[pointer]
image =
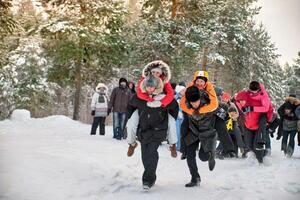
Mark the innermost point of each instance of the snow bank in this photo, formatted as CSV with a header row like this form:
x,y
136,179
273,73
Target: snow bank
x,y
60,155
20,115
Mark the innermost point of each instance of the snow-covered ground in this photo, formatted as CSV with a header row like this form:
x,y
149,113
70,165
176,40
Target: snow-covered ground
x,y
55,158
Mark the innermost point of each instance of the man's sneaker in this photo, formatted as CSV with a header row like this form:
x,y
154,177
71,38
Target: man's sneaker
x,y
131,149
173,150
193,183
146,187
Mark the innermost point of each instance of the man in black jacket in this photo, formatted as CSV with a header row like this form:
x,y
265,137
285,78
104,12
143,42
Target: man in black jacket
x,y
199,129
152,128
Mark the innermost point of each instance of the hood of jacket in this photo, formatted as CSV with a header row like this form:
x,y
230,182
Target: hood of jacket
x,y
166,72
293,101
101,85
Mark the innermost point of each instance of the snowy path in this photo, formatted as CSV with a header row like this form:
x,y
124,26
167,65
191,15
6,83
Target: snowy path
x,y
55,158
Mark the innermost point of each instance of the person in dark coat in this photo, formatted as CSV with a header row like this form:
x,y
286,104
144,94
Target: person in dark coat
x,y
152,128
118,105
289,124
198,128
131,87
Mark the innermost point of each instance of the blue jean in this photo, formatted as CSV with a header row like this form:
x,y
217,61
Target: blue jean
x,y
118,124
268,140
284,143
178,125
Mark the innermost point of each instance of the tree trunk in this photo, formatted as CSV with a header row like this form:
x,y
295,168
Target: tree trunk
x,y
174,8
204,58
78,82
133,9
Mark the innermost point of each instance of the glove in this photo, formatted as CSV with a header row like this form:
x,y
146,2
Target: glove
x,y
154,104
108,111
271,134
93,112
204,98
247,109
278,137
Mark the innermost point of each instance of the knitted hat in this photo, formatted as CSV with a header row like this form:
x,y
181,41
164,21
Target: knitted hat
x,y
254,86
192,94
151,81
226,97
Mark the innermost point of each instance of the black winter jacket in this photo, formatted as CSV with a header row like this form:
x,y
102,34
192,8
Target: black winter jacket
x,y
198,128
153,122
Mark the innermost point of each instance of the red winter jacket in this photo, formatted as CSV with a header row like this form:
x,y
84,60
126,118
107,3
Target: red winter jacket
x,y
261,104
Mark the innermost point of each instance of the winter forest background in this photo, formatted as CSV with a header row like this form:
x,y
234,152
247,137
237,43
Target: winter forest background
x,y
54,52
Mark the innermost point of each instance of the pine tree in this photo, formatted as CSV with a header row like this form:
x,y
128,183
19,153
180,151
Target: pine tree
x,y
293,77
83,40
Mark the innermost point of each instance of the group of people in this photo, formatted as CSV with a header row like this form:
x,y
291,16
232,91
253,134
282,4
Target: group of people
x,y
193,118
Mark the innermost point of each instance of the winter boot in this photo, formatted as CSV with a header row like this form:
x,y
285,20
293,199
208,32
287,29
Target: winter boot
x,y
289,151
183,156
211,162
173,150
193,183
131,149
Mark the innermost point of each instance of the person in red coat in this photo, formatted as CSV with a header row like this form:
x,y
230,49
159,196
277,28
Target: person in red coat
x,y
257,107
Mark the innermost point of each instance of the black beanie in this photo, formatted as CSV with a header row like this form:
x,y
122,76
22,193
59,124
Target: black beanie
x,y
254,86
192,94
122,80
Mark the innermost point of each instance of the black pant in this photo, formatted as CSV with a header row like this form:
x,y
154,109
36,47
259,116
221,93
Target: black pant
x,y
98,121
220,126
224,137
207,149
255,139
150,160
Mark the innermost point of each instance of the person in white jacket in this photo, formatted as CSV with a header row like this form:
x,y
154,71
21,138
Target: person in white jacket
x,y
99,107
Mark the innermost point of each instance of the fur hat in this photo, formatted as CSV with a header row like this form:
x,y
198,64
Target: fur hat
x,y
254,86
101,85
192,94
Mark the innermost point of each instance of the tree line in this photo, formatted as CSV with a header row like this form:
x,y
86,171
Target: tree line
x,y
50,61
